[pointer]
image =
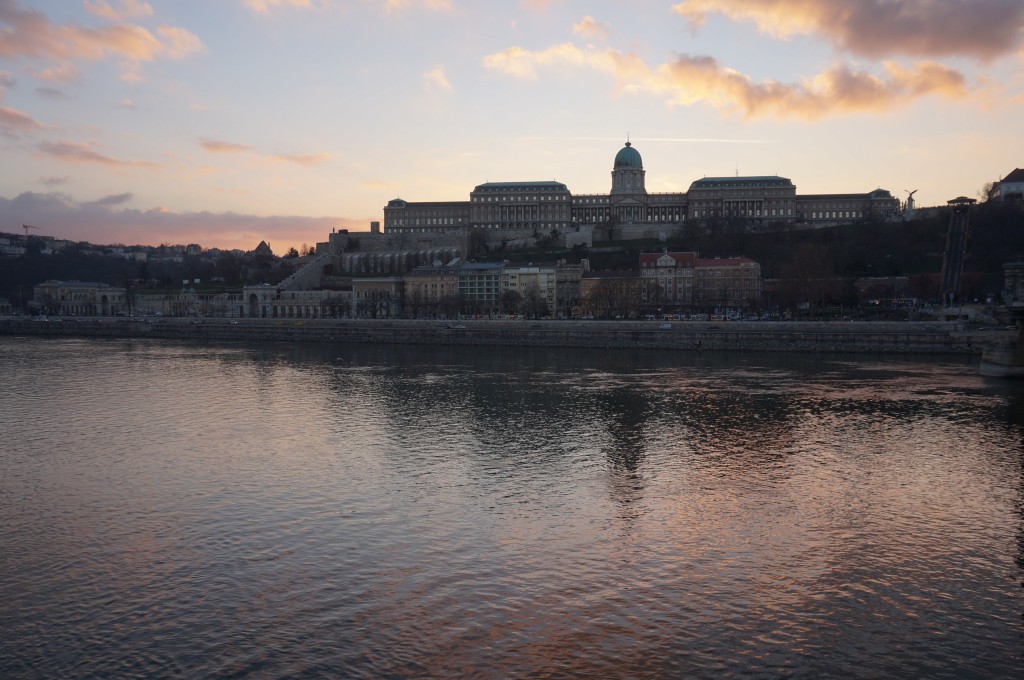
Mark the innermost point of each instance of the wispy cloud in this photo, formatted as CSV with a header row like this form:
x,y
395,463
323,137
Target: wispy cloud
x,y
983,29
218,146
435,80
72,152
591,28
51,93
54,181
61,73
127,9
305,159
13,121
692,80
264,6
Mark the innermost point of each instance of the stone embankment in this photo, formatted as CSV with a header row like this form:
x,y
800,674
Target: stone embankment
x,y
840,336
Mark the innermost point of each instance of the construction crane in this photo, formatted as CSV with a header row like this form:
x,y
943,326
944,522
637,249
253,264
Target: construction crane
x,y
26,227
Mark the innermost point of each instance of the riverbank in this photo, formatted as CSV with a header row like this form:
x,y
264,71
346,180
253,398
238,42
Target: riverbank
x,y
761,336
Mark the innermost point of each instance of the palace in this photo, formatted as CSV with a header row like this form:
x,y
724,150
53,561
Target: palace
x,y
756,203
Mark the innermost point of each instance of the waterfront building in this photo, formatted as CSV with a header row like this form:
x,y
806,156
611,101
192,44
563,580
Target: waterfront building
x,y
532,287
681,281
480,287
667,281
259,299
610,295
726,284
431,290
80,298
377,298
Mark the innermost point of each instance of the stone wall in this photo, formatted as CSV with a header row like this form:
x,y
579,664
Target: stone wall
x,y
875,338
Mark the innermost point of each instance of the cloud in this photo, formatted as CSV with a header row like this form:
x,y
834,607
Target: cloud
x,y
27,33
61,73
306,159
105,221
264,6
54,181
126,103
218,146
178,42
590,28
982,29
692,80
80,153
13,121
436,80
50,93
115,199
128,9
6,79
392,6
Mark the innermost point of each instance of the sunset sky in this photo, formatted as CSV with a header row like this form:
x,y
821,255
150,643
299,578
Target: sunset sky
x,y
227,122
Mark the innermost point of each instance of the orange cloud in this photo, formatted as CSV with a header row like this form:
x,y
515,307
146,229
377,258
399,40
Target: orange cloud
x,y
692,80
30,34
591,28
983,29
129,9
264,6
306,159
217,146
436,80
80,153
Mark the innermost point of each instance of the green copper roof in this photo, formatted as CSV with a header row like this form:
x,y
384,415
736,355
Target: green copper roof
x,y
628,157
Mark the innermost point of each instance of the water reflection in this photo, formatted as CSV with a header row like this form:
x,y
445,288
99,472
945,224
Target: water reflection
x,y
281,511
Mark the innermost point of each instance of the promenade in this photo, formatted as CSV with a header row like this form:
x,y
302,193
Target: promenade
x,y
761,336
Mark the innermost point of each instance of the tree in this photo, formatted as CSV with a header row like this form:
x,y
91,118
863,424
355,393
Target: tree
x,y
510,301
292,252
534,304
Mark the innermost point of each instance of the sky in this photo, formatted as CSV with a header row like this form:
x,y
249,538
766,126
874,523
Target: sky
x,y
228,122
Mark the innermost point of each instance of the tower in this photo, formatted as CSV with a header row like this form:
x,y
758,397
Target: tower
x,y
628,172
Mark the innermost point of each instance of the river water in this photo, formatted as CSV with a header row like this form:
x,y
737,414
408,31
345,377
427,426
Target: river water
x,y
266,511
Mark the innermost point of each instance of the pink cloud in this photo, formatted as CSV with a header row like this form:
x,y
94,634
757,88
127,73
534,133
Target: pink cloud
x,y
218,146
80,153
13,121
27,33
983,29
306,159
106,221
127,9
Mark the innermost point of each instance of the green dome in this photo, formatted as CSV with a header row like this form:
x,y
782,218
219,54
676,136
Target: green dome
x,y
628,157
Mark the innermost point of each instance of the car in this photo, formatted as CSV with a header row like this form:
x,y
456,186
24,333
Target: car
x,y
665,327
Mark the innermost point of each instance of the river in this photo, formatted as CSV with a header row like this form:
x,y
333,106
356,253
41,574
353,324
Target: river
x,y
271,511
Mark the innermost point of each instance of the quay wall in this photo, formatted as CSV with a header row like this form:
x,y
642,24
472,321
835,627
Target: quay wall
x,y
857,337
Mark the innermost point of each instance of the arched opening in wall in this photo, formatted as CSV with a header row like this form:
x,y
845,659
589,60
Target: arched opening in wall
x,y
254,306
104,306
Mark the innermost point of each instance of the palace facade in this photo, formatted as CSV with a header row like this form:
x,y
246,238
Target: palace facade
x,y
757,202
